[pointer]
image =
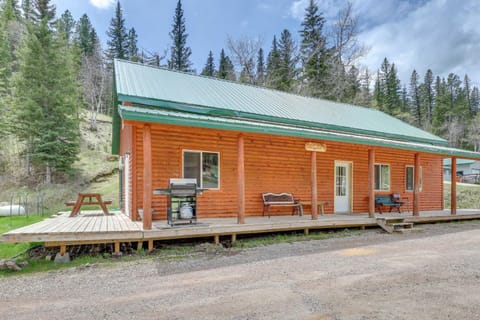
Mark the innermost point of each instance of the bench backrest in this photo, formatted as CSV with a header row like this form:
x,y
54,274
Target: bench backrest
x,y
278,198
384,199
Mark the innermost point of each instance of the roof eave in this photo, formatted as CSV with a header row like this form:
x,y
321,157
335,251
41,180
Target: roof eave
x,y
203,110
146,115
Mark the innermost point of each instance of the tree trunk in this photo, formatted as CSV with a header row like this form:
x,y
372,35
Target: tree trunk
x,y
48,174
28,169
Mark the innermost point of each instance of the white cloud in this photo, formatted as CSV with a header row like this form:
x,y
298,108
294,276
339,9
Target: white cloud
x,y
102,4
328,8
440,34
297,9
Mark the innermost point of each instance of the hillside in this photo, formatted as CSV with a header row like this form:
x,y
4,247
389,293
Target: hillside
x,y
95,171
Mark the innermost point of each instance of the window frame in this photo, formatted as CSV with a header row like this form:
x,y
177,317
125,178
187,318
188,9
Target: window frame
x,y
380,182
201,152
413,172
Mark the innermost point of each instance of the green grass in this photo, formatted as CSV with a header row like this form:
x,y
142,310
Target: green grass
x,y
468,195
42,265
9,250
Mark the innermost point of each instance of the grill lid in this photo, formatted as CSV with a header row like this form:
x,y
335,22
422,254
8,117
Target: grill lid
x,y
174,182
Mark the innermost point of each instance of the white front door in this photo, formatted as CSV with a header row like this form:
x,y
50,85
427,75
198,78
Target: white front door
x,y
343,176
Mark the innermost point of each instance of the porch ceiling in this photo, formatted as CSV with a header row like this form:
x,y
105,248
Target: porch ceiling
x,y
231,123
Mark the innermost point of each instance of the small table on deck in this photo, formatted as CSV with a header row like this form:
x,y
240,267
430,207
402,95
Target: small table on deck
x,y
77,205
321,205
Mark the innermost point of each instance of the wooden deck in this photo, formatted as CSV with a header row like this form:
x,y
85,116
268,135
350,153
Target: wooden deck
x,y
94,227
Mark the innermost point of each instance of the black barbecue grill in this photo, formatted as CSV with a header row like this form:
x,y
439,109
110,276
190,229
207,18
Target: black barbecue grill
x,y
182,200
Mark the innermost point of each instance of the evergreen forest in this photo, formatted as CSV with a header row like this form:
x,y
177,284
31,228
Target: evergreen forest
x,y
53,67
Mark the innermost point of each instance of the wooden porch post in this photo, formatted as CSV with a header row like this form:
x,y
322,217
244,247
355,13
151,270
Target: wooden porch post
x,y
147,178
416,186
371,183
314,185
241,180
453,190
133,173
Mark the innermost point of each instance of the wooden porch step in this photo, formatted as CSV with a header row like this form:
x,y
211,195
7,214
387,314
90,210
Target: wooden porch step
x,y
395,224
402,225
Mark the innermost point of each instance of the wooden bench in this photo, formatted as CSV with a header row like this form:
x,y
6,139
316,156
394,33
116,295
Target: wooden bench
x,y
281,200
389,200
82,201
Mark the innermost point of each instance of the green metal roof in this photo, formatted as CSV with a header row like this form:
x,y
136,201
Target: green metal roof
x,y
205,121
162,88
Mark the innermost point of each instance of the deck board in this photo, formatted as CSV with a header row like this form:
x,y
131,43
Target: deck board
x,y
91,226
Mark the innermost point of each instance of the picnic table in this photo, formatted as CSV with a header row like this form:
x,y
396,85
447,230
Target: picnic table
x,y
88,199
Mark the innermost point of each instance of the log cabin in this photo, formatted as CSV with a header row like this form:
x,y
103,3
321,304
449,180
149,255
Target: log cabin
x,y
240,141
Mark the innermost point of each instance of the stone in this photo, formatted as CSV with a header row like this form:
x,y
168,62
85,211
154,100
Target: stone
x,y
62,259
23,264
117,255
12,265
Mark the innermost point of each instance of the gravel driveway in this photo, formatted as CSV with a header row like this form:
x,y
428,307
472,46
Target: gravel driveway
x,y
434,274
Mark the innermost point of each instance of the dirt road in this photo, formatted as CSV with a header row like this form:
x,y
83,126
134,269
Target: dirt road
x,y
432,275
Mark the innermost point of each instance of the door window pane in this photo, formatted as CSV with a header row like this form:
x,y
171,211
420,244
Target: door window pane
x,y
341,181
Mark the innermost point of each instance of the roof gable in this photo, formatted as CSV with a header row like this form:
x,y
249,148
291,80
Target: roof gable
x,y
164,88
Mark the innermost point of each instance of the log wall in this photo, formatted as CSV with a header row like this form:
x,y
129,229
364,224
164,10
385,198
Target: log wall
x,y
274,164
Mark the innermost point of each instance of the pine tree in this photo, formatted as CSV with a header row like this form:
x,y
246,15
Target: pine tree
x,y
467,94
132,48
428,97
10,11
66,25
118,37
273,78
415,98
4,79
225,67
27,9
288,60
378,100
475,100
179,51
260,76
209,69
393,91
85,35
405,103
314,53
11,32
46,96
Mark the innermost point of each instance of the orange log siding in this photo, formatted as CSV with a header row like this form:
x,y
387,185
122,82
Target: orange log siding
x,y
273,164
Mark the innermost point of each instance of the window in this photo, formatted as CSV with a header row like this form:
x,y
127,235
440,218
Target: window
x,y
410,178
382,177
203,166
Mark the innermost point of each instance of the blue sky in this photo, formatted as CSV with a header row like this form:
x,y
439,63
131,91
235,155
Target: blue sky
x,y
443,35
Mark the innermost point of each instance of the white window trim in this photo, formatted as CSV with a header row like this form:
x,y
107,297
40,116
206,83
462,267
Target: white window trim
x,y
389,176
421,178
201,166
